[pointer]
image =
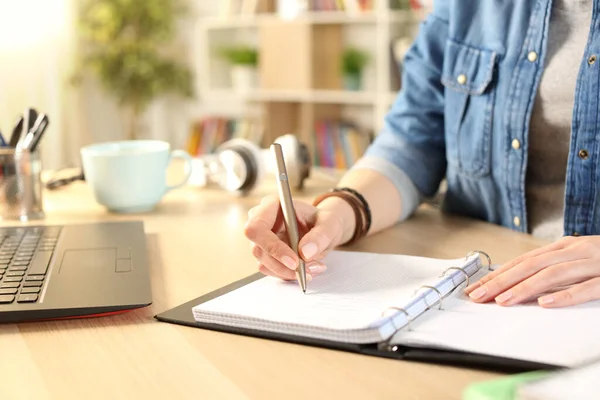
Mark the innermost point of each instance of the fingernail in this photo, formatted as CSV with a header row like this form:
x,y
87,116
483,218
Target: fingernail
x,y
317,269
477,293
309,250
546,300
504,296
308,277
288,262
469,288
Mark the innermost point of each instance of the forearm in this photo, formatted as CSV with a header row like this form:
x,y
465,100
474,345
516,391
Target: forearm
x,y
380,193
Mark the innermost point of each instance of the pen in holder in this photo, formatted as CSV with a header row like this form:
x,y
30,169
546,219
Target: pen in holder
x,y
20,185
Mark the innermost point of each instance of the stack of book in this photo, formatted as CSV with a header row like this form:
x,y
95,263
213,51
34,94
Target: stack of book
x,y
210,132
338,144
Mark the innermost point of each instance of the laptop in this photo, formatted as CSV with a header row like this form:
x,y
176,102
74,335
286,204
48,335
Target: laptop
x,y
72,270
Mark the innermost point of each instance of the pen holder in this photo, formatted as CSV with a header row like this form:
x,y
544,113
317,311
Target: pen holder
x,y
20,185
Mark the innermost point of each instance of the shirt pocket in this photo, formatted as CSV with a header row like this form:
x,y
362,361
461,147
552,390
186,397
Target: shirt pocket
x,y
469,104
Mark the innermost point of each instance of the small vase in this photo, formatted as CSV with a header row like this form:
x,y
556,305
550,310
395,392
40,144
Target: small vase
x,y
243,78
352,82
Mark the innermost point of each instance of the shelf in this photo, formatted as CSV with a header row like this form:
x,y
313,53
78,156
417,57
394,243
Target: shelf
x,y
318,17
299,96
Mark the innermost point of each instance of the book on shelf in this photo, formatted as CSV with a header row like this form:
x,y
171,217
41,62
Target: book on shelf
x,y
295,7
210,132
406,4
342,5
338,144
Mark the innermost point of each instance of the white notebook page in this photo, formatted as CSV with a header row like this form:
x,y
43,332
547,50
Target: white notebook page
x,y
561,336
578,383
351,294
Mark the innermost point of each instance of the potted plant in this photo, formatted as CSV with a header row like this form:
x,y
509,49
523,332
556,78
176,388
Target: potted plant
x,y
244,63
126,44
353,63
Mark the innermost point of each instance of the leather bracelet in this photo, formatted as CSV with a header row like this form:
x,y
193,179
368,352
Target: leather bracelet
x,y
366,208
359,227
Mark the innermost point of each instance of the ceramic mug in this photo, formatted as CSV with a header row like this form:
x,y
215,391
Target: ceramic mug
x,y
131,176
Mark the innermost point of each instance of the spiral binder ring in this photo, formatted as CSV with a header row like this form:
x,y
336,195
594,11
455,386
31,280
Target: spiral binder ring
x,y
437,291
408,317
461,270
489,259
386,344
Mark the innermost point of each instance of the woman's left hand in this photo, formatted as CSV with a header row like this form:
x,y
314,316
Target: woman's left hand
x,y
564,273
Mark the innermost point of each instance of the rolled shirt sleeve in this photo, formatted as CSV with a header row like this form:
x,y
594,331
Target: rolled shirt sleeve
x,y
410,149
409,194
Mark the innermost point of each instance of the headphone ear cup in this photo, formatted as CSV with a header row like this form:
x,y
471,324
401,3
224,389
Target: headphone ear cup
x,y
251,169
244,165
297,159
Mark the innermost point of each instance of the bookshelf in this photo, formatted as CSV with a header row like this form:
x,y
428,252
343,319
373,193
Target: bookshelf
x,y
300,88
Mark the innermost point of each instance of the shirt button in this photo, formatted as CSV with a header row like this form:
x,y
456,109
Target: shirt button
x,y
461,79
592,59
517,221
532,56
516,144
583,154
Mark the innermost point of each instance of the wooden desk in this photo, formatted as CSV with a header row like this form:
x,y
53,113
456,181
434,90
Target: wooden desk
x,y
196,245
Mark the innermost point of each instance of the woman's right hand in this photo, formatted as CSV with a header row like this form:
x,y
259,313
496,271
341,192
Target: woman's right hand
x,y
319,230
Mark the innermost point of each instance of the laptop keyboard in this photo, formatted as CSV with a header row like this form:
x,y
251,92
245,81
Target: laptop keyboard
x,y
25,254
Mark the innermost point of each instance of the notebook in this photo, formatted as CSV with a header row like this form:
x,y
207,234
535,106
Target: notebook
x,y
403,307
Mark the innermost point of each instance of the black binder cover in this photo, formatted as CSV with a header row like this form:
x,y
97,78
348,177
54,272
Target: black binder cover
x,y
182,315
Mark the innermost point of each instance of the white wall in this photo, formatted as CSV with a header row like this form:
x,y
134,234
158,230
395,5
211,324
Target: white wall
x,y
36,60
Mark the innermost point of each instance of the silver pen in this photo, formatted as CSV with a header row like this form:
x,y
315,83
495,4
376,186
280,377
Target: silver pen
x,y
289,214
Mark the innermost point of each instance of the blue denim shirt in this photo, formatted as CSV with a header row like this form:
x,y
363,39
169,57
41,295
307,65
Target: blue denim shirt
x,y
468,86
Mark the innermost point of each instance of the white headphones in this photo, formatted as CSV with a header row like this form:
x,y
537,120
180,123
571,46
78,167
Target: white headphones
x,y
239,165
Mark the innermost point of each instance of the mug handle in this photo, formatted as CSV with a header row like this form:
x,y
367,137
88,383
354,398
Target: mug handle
x,y
188,167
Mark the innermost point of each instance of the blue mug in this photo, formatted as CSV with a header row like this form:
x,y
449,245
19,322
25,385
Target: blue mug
x,y
131,176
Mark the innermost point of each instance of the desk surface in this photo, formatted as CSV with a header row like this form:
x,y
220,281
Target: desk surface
x,y
196,244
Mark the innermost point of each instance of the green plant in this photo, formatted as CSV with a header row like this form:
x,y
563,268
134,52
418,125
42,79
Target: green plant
x,y
240,55
353,61
126,44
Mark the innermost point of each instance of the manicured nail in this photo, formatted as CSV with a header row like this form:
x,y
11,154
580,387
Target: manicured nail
x,y
309,250
546,300
288,262
308,277
477,293
504,296
317,269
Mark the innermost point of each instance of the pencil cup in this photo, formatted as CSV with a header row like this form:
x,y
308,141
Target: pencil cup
x,y
20,185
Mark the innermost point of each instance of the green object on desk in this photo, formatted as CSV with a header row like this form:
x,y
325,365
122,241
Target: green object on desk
x,y
503,388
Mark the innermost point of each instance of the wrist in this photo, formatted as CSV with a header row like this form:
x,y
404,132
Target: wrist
x,y
341,209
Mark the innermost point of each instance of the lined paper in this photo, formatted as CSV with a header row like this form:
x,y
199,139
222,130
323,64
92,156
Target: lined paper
x,y
345,303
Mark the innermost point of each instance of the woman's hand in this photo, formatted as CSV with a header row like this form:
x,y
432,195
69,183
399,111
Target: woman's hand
x,y
564,273
319,231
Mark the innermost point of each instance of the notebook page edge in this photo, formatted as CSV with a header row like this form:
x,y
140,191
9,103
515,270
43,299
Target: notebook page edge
x,y
381,328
